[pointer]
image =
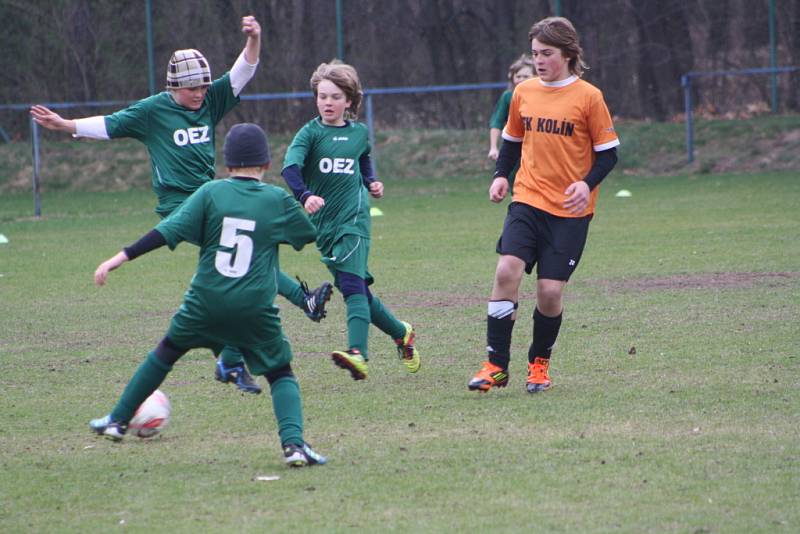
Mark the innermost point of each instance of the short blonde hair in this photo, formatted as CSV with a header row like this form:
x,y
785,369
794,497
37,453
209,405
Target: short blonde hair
x,y
525,60
345,77
559,32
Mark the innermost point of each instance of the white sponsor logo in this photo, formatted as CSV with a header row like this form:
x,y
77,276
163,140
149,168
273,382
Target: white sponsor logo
x,y
339,138
337,165
193,136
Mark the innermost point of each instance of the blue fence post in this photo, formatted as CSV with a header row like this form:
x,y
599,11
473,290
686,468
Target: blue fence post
x,y
686,82
37,202
371,128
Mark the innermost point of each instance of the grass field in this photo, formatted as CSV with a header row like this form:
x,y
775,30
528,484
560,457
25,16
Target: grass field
x,y
676,406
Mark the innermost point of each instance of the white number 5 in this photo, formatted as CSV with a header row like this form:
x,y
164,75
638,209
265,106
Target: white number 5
x,y
242,243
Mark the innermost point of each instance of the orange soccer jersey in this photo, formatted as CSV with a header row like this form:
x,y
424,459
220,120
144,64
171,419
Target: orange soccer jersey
x,y
561,125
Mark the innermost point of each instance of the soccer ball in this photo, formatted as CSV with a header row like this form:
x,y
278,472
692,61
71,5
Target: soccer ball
x,y
152,416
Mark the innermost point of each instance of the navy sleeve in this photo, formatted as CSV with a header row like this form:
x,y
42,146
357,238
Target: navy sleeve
x,y
294,179
367,172
508,158
603,163
150,241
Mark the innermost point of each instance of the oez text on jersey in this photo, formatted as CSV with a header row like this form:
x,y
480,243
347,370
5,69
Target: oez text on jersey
x,y
337,165
191,136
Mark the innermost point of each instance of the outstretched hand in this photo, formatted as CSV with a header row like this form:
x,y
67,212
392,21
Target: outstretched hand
x,y
51,120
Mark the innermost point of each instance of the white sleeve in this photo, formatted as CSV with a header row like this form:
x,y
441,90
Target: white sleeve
x,y
91,127
241,73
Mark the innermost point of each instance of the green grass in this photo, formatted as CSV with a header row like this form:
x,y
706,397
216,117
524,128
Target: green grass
x,y
696,430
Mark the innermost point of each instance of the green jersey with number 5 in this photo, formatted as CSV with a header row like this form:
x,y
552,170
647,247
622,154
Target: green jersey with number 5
x,y
180,141
238,224
328,157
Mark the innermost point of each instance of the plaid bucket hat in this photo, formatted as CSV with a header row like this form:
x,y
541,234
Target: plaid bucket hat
x,y
188,68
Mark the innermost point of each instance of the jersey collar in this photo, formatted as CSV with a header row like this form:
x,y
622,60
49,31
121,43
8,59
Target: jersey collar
x,y
561,83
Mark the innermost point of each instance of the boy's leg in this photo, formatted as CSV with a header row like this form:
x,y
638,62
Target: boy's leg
x,y
354,291
273,361
501,314
565,238
145,381
311,302
287,405
401,332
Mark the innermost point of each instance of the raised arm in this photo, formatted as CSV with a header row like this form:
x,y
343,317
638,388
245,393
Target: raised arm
x,y
252,48
91,127
244,68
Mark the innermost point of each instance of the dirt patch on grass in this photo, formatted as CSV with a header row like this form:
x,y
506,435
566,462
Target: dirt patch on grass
x,y
702,281
479,296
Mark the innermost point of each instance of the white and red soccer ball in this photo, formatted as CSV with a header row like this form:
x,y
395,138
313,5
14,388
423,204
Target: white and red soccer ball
x,y
152,416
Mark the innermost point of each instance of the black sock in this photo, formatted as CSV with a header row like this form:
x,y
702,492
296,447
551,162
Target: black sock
x,y
498,340
545,332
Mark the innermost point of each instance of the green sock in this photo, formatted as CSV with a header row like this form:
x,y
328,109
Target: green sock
x,y
231,357
145,381
291,290
385,320
358,323
288,409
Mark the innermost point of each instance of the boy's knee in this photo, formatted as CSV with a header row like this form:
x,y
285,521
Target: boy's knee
x,y
167,352
283,372
350,284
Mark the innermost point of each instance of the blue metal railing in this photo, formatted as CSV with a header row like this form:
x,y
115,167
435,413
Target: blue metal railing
x,y
368,104
686,83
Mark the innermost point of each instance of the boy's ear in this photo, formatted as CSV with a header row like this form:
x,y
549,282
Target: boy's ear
x,y
266,166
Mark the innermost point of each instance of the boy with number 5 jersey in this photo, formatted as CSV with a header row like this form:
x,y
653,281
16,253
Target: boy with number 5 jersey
x,y
328,168
238,223
177,127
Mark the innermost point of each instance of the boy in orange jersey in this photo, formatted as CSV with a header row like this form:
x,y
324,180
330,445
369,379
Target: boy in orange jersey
x,y
561,128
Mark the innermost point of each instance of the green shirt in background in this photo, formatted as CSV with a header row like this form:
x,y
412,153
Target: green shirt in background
x,y
328,157
500,115
238,224
180,141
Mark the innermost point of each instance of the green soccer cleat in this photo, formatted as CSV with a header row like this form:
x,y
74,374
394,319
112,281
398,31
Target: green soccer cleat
x,y
351,360
407,351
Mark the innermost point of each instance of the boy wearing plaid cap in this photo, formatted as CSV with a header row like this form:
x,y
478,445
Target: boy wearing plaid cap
x,y
177,127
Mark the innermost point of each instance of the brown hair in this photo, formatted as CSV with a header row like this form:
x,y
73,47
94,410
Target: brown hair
x,y
559,32
345,77
525,60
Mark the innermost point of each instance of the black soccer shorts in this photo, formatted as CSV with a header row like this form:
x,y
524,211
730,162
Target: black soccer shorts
x,y
554,244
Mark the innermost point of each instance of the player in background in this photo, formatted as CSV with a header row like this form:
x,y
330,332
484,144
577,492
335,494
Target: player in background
x,y
238,223
562,129
329,170
178,128
518,72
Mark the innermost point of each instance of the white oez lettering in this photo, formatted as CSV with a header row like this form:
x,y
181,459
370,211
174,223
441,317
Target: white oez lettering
x,y
337,165
198,134
243,245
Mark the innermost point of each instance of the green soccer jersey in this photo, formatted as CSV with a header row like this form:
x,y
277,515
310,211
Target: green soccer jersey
x,y
238,224
180,141
328,157
500,116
